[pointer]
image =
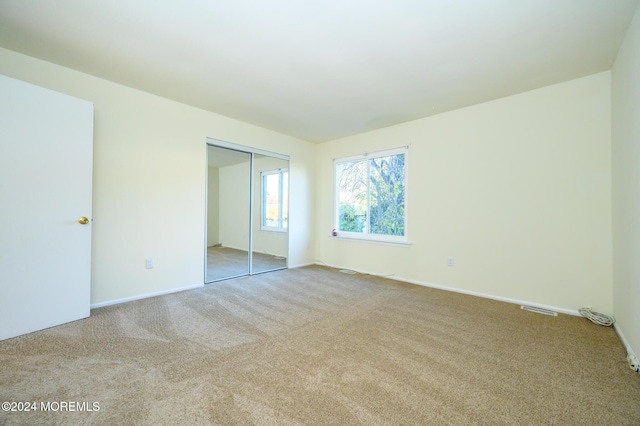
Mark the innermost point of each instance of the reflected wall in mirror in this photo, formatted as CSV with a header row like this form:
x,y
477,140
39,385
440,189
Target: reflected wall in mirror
x,y
228,213
247,211
270,214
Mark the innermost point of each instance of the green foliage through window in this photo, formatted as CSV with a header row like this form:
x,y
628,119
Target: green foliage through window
x,y
371,194
275,199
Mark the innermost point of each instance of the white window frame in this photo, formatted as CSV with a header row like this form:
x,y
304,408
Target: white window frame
x,y
263,226
366,236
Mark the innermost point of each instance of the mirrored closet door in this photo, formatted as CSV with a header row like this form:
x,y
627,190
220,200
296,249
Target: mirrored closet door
x,y
247,211
270,214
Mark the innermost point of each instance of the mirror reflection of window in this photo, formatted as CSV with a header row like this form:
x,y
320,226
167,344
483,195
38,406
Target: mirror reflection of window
x,y
228,214
275,200
271,213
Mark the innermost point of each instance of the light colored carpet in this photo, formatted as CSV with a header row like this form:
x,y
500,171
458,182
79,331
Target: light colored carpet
x,y
314,346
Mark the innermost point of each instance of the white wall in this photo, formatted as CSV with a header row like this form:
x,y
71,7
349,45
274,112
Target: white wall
x,y
234,205
517,190
213,201
626,186
149,180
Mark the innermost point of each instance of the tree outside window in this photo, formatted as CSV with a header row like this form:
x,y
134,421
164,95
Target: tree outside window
x,y
371,195
275,200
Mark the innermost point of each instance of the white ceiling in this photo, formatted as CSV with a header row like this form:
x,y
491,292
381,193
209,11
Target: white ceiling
x,y
321,70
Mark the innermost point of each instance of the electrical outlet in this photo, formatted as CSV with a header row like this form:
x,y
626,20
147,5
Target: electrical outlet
x,y
149,263
633,363
450,261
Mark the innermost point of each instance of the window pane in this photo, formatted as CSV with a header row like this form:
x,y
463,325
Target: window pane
x,y
271,200
386,198
352,196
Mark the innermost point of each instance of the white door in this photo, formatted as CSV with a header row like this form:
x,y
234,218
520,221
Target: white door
x,y
46,156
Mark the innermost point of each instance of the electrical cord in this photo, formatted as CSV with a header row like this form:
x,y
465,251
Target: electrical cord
x,y
596,317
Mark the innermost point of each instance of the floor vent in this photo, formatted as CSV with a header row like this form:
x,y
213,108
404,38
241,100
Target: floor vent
x,y
539,310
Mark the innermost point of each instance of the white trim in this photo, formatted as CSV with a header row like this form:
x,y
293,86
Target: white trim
x,y
303,265
624,341
243,148
366,235
251,207
272,229
144,296
558,309
281,180
467,292
376,154
206,211
234,247
352,236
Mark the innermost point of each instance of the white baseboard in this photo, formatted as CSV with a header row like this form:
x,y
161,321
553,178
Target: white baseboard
x,y
302,265
254,250
624,341
467,292
234,248
493,297
144,296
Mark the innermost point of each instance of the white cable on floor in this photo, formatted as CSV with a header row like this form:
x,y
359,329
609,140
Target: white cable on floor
x,y
597,317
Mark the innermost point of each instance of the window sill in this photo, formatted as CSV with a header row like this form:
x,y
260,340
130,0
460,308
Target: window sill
x,y
371,240
276,230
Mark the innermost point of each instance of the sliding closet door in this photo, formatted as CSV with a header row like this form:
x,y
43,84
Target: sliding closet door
x,y
228,213
247,211
270,230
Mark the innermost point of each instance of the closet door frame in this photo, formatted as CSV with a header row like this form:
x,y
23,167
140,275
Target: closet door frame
x,y
252,151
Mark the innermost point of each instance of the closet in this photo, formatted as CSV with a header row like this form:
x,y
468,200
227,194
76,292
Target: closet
x,y
247,220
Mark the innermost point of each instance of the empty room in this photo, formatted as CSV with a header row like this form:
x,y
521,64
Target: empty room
x,y
339,212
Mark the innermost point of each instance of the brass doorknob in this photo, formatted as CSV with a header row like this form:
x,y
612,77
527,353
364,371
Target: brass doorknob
x,y
83,220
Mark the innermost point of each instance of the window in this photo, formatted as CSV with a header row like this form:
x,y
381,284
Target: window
x,y
275,200
371,196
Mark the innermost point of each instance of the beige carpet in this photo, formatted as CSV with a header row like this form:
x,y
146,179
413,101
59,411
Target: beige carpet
x,y
316,346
